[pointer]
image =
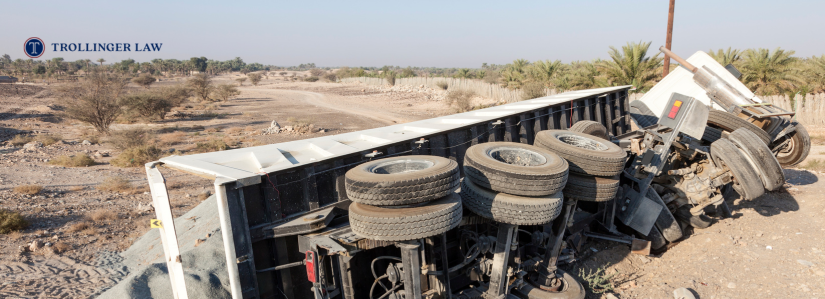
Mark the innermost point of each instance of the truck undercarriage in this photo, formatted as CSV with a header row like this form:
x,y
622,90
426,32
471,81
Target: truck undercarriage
x,y
483,204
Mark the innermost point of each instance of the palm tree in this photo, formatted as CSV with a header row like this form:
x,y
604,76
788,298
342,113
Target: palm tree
x,y
101,61
545,71
770,73
632,66
816,73
463,73
585,75
731,56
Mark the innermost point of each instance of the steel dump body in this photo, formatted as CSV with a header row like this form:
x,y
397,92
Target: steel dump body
x,y
272,194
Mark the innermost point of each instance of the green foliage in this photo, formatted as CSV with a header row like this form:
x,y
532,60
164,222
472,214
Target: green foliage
x,y
146,105
407,73
389,76
632,66
597,281
544,72
78,160
226,91
201,85
198,63
311,79
144,80
254,78
815,68
532,90
731,56
346,72
137,156
11,221
770,73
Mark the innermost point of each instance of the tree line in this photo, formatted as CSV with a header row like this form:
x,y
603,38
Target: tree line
x,y
764,71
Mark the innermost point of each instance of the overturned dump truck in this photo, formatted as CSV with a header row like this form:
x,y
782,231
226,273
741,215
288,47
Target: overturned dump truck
x,y
483,204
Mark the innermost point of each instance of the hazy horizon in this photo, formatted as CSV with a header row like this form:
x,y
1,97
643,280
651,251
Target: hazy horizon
x,y
421,34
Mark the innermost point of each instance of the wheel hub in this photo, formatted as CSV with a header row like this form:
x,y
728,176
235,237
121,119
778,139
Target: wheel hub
x,y
582,142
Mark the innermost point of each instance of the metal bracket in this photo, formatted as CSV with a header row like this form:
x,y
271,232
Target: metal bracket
x,y
373,154
168,236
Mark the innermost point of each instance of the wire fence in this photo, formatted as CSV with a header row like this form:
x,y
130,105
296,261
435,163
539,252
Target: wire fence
x,y
481,88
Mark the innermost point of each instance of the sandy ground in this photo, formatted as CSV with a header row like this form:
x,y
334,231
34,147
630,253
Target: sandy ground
x,y
730,259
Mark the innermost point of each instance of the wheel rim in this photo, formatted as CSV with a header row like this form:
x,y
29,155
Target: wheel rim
x,y
582,142
516,156
400,166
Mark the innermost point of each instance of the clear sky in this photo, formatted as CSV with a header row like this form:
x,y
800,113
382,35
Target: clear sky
x,y
416,33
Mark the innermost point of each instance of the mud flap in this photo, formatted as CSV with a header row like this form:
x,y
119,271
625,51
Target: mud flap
x,y
638,212
666,223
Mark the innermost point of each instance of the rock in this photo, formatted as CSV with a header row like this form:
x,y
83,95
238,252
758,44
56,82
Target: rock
x,y
86,142
35,245
805,263
31,146
683,293
144,208
731,285
609,296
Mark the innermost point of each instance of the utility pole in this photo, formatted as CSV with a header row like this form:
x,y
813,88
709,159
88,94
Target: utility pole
x,y
669,40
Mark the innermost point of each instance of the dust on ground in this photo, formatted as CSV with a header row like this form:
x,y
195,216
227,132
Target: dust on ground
x,y
731,259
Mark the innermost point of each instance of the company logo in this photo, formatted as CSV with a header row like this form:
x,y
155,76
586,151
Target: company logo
x,y
34,47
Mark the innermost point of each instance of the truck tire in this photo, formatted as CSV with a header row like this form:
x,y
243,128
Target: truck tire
x,y
746,181
590,127
642,114
797,149
711,134
402,180
729,122
657,240
571,289
407,223
585,154
760,157
510,209
515,168
591,188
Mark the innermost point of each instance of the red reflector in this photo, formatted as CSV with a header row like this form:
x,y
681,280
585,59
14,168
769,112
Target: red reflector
x,y
310,263
675,109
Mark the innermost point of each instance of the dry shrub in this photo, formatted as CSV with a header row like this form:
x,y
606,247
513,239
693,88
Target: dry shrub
x,y
11,221
77,160
116,184
172,138
77,188
249,129
461,100
28,189
211,146
815,165
532,90
234,130
144,80
78,227
204,195
127,138
442,84
15,235
311,79
210,130
20,140
94,100
60,247
91,231
48,139
102,215
137,156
